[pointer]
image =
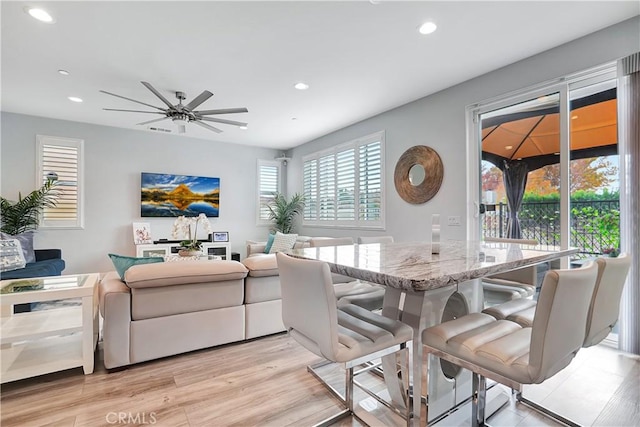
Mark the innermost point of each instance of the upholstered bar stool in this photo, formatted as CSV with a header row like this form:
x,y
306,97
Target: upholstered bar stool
x,y
349,291
512,285
603,311
349,335
509,354
603,314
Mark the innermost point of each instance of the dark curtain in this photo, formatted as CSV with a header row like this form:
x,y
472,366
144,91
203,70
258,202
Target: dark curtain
x,y
515,180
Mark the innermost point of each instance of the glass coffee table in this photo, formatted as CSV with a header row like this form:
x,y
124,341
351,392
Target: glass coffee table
x,y
40,342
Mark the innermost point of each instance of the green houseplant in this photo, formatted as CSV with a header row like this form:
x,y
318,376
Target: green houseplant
x,y
283,212
24,215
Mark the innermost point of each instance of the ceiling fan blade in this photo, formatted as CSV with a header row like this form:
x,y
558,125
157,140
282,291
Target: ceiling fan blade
x,y
228,122
132,100
134,111
206,126
158,94
221,111
198,100
152,121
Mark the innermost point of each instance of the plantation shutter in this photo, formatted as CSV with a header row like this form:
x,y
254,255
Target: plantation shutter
x,y
370,182
343,186
346,182
268,186
62,157
326,188
310,189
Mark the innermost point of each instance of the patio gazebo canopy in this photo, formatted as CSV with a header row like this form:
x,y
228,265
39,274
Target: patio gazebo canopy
x,y
533,137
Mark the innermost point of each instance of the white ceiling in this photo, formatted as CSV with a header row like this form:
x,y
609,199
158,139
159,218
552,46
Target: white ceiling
x,y
359,58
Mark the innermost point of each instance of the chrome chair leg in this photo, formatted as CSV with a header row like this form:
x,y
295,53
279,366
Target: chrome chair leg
x,y
544,411
479,401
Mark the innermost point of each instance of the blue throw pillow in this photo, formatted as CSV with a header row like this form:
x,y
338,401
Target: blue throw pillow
x,y
123,263
269,243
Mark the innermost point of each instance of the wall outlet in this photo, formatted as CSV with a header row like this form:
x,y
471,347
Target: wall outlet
x,y
453,221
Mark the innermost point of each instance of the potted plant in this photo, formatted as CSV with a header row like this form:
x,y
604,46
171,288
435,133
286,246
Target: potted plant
x,y
191,246
24,215
283,212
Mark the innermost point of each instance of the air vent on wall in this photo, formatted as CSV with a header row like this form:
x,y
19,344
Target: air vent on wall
x,y
157,129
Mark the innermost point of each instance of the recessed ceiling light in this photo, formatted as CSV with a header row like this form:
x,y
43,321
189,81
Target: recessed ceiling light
x,y
574,117
39,14
427,28
294,118
244,127
301,86
74,99
64,72
508,147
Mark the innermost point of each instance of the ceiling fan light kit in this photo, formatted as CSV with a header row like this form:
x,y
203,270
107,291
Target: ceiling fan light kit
x,y
180,114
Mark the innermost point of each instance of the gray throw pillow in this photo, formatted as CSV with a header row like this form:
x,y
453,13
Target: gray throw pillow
x,y
26,241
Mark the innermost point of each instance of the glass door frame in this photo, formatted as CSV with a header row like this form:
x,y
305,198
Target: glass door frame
x,y
562,86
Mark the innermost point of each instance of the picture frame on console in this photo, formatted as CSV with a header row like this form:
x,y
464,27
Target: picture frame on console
x,y
220,236
142,233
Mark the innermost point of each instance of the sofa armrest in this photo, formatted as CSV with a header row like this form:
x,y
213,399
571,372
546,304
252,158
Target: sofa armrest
x,y
115,308
43,254
255,247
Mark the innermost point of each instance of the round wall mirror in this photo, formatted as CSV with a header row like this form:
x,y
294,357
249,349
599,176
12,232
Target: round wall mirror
x,y
418,175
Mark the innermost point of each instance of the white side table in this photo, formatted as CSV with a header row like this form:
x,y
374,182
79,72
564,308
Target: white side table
x,y
40,342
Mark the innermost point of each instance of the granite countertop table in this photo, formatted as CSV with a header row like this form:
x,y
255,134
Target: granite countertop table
x,y
410,266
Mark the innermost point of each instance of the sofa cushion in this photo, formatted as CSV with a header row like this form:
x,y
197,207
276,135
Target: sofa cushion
x,y
49,267
283,242
183,272
11,256
261,265
26,242
260,289
123,263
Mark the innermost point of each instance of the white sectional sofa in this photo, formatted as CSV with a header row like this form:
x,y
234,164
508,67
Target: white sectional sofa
x,y
163,309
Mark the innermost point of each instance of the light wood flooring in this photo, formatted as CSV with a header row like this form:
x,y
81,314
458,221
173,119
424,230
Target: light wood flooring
x,y
264,382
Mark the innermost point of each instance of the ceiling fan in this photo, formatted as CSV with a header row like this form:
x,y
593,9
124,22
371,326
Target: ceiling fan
x,y
183,114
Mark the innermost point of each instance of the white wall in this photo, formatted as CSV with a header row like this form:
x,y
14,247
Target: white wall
x,y
114,159
438,121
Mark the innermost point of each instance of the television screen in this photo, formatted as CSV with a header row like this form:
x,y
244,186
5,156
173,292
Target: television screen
x,y
166,195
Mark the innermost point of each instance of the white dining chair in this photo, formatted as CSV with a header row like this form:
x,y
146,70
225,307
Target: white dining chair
x,y
507,353
349,335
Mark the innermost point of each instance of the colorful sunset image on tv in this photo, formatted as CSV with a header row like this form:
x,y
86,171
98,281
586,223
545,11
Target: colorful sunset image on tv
x,y
167,195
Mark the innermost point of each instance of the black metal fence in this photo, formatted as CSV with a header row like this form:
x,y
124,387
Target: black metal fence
x,y
595,224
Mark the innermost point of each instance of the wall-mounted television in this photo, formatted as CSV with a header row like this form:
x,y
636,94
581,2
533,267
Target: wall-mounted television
x,y
167,195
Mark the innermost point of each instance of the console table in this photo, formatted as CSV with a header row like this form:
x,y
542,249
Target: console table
x,y
221,249
40,342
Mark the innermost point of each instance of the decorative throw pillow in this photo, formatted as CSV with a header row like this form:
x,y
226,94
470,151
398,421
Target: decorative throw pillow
x,y
123,263
267,248
11,256
283,242
26,241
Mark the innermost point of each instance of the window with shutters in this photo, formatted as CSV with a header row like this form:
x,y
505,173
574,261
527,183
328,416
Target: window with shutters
x,y
343,186
268,186
62,158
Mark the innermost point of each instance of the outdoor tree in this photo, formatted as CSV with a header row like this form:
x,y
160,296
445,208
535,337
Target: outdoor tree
x,y
586,174
492,180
